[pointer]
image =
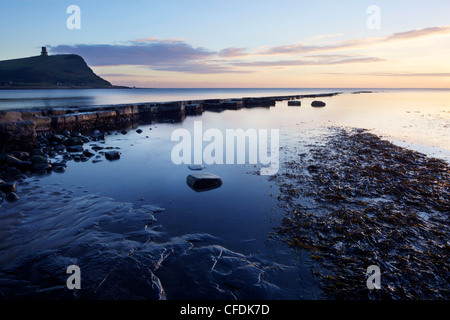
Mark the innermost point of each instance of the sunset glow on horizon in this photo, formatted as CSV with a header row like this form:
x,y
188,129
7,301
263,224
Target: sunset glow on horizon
x,y
243,44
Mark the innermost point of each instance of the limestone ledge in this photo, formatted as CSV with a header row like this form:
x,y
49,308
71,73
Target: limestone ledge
x,y
19,128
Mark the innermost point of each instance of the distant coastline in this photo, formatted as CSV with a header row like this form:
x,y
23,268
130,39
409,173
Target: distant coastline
x,y
62,87
66,71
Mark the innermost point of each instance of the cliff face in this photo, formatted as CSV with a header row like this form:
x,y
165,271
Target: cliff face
x,y
57,71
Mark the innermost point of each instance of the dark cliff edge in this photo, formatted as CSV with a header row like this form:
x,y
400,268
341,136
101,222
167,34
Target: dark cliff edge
x,y
50,72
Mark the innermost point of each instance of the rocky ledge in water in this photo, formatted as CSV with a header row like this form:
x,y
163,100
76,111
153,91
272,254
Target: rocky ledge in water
x,y
19,128
359,201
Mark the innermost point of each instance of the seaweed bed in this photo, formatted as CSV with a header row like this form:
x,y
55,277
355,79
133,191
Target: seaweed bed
x,y
358,200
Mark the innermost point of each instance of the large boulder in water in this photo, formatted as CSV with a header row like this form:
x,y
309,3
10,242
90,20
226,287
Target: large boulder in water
x,y
203,181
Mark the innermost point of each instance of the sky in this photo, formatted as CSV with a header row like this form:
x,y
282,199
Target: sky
x,y
240,43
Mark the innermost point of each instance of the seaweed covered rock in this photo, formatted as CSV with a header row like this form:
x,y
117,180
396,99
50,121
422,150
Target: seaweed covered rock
x,y
362,201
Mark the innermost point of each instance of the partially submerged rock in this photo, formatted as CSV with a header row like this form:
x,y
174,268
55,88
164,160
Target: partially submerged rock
x,y
296,103
88,153
196,167
76,148
112,155
317,103
203,181
8,187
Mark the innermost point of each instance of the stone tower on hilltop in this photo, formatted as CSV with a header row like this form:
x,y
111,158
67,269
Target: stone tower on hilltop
x,y
44,52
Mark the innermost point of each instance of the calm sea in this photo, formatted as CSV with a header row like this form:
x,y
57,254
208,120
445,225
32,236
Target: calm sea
x,y
203,245
13,99
415,118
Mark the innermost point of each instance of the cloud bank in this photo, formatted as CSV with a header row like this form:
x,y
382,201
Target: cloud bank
x,y
176,55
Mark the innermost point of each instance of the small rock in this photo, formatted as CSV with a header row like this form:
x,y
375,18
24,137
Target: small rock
x,y
318,104
294,103
57,138
8,187
65,133
77,148
96,148
196,167
75,134
203,181
62,163
96,161
124,131
98,136
59,169
60,148
88,153
112,155
74,141
41,166
13,161
39,159
16,163
12,196
139,131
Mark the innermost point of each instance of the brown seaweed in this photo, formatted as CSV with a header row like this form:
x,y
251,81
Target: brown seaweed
x,y
358,201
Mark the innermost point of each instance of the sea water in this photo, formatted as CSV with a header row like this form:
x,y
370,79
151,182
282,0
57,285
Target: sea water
x,y
137,230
